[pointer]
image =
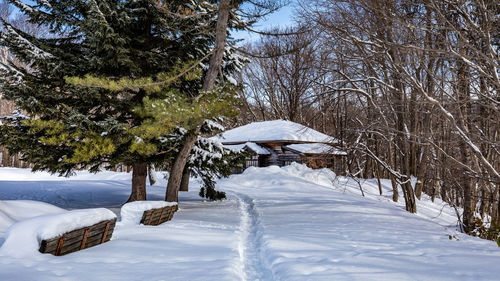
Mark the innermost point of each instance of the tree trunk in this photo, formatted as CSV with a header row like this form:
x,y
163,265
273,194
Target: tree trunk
x,y
463,96
495,202
484,202
377,167
174,180
5,157
220,43
421,167
185,180
469,202
436,186
395,192
408,193
152,174
139,175
172,194
16,161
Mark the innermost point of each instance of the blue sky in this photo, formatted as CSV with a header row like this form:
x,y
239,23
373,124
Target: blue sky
x,y
281,18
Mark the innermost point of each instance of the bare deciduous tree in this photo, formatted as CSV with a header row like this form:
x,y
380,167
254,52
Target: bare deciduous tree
x,y
416,86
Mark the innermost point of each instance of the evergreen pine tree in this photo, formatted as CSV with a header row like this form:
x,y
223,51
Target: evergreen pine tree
x,y
227,18
116,82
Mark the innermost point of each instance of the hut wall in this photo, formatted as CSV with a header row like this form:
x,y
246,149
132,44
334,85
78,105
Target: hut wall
x,y
287,159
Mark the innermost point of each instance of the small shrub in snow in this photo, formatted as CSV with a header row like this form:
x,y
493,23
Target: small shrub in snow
x,y
212,194
490,231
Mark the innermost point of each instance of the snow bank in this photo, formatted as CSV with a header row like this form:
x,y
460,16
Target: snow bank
x,y
23,238
131,213
12,211
293,172
16,174
323,176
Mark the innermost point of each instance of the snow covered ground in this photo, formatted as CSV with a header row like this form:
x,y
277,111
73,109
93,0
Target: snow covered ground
x,y
288,223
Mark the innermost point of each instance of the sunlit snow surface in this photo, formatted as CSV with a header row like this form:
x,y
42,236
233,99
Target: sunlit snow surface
x,y
288,223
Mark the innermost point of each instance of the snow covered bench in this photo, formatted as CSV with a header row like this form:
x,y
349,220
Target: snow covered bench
x,y
159,215
79,239
148,212
59,232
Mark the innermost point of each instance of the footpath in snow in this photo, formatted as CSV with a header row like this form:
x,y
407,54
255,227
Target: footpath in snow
x,y
289,223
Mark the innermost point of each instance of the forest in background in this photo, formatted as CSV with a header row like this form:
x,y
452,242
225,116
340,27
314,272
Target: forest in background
x,y
410,88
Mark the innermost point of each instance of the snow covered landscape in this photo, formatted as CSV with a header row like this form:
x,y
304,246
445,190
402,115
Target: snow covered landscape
x,y
289,223
353,140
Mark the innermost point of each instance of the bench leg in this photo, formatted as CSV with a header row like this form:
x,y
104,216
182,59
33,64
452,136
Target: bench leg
x,y
84,241
59,246
105,233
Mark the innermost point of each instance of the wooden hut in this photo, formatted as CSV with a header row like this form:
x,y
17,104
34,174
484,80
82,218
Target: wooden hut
x,y
281,142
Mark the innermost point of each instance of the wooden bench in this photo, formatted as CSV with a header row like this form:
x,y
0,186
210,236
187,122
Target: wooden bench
x,y
79,239
159,215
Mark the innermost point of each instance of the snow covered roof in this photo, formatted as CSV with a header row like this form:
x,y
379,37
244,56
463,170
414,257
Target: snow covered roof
x,y
316,148
250,145
275,130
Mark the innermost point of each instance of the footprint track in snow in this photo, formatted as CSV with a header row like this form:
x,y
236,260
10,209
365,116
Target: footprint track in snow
x,y
251,247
